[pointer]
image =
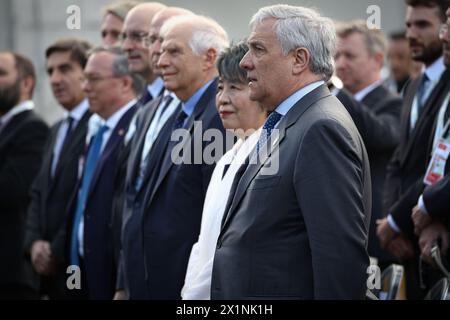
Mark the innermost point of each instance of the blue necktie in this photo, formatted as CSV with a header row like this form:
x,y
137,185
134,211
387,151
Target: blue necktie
x,y
179,121
91,162
270,123
266,131
146,97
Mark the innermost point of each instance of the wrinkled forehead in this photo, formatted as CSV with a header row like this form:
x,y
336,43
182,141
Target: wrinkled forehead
x,y
179,34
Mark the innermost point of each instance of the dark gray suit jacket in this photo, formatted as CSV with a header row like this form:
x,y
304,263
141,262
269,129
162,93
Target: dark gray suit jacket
x,y
300,233
377,118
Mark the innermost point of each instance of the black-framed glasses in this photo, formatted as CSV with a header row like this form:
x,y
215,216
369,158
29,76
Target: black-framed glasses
x,y
444,31
133,36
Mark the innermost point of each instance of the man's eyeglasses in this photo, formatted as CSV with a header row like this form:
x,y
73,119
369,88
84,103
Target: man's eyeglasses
x,y
93,80
444,31
133,36
148,41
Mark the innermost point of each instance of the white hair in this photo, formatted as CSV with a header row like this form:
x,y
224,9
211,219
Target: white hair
x,y
206,34
303,27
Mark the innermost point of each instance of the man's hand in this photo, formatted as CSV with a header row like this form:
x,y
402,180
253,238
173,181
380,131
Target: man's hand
x,y
120,295
401,247
428,238
421,220
384,232
41,257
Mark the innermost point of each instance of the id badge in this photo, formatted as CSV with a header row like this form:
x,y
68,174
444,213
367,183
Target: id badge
x,y
436,168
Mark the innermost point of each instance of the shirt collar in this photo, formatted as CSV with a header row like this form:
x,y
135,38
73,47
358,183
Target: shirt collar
x,y
364,92
21,107
78,112
435,70
287,104
189,105
95,121
156,87
115,118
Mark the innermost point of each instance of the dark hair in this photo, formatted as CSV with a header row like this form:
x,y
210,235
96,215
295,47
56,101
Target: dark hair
x,y
121,67
78,49
228,63
442,6
25,68
398,35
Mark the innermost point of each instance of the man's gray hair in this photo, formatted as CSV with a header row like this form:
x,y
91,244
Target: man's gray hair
x,y
121,67
207,33
297,27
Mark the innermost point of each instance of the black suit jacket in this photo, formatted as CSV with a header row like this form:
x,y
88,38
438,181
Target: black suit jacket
x,y
409,163
300,232
173,202
22,143
50,196
377,118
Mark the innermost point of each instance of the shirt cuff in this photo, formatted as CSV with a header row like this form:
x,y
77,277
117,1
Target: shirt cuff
x,y
392,224
421,205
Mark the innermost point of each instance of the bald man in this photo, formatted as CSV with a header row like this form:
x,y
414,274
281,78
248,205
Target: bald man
x,y
135,30
151,119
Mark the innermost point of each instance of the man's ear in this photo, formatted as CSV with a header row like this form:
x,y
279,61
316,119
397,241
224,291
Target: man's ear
x,y
379,59
26,86
210,58
301,58
127,83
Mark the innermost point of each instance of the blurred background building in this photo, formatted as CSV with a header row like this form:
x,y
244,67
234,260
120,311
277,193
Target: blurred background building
x,y
29,26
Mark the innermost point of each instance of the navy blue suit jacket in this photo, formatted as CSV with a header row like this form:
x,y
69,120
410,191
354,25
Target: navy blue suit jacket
x,y
98,234
174,202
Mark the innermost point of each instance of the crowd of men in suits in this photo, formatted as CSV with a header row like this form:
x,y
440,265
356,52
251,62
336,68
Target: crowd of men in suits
x,y
318,177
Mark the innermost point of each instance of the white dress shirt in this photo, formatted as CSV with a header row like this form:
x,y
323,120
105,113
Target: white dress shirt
x,y
197,285
76,114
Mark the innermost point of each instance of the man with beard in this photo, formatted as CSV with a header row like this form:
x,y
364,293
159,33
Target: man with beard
x,y
22,137
430,215
55,183
422,100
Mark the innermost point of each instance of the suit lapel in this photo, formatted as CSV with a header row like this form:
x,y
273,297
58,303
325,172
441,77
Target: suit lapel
x,y
205,101
10,129
75,139
287,121
113,142
138,146
429,107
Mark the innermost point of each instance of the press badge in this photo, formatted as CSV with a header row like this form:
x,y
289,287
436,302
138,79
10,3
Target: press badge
x,y
436,168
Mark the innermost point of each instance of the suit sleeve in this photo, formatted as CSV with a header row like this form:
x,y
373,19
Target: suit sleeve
x,y
22,165
437,198
33,231
402,209
380,131
330,182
